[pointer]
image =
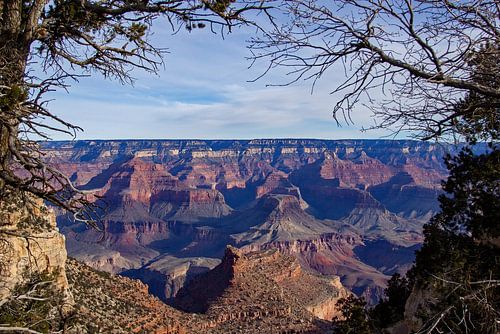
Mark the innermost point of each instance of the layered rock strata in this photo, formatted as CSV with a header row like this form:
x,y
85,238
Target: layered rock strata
x,y
188,199
31,245
263,292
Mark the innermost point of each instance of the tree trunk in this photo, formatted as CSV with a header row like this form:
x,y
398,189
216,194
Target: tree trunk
x,y
14,52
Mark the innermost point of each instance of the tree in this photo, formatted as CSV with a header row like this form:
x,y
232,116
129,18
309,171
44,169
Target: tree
x,y
34,307
456,271
455,279
436,63
459,262
63,40
67,39
354,319
416,53
391,309
479,117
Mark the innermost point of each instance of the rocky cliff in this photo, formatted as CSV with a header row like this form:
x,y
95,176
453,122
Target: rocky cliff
x,y
321,201
114,304
32,266
31,243
262,292
43,291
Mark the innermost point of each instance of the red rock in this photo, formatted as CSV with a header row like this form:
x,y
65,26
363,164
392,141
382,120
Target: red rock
x,y
313,199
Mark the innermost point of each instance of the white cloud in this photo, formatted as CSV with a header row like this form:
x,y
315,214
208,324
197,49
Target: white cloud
x,y
203,93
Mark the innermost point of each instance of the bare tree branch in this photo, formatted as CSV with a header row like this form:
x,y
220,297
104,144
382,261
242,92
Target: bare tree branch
x,y
408,61
68,39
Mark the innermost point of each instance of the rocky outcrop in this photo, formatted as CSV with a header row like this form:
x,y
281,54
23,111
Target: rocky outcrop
x,y
34,292
358,171
327,308
189,204
114,304
31,246
277,183
259,291
333,254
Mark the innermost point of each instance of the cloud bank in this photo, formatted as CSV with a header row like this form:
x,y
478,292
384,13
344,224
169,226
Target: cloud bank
x,y
204,92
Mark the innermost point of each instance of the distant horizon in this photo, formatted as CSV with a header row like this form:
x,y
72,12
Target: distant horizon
x,y
238,139
479,145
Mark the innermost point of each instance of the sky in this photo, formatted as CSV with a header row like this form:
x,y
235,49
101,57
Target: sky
x,y
205,92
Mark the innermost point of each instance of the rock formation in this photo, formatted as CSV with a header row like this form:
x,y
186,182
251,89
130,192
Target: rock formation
x,y
30,244
263,292
310,218
260,292
114,304
32,265
320,201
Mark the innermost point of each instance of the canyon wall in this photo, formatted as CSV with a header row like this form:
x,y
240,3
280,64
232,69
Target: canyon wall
x,y
327,203
30,245
34,289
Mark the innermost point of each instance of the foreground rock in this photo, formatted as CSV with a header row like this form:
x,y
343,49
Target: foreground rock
x,y
32,266
114,304
262,292
31,243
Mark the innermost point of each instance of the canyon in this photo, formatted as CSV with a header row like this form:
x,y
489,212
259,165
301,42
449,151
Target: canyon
x,y
352,209
258,292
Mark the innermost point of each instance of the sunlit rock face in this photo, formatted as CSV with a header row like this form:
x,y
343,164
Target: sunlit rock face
x,y
32,250
261,292
333,205
262,285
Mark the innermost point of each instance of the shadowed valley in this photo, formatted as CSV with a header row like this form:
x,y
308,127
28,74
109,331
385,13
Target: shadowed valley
x,y
339,207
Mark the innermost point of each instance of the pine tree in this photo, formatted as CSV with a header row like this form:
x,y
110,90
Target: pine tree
x,y
459,262
355,319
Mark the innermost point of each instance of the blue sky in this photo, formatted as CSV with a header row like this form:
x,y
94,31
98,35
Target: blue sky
x,y
204,92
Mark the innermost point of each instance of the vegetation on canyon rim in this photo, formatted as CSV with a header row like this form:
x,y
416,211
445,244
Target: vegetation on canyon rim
x,y
436,61
459,262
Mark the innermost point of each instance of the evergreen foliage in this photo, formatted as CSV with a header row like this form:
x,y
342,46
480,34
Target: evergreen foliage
x,y
457,270
391,309
458,267
355,319
459,263
35,305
